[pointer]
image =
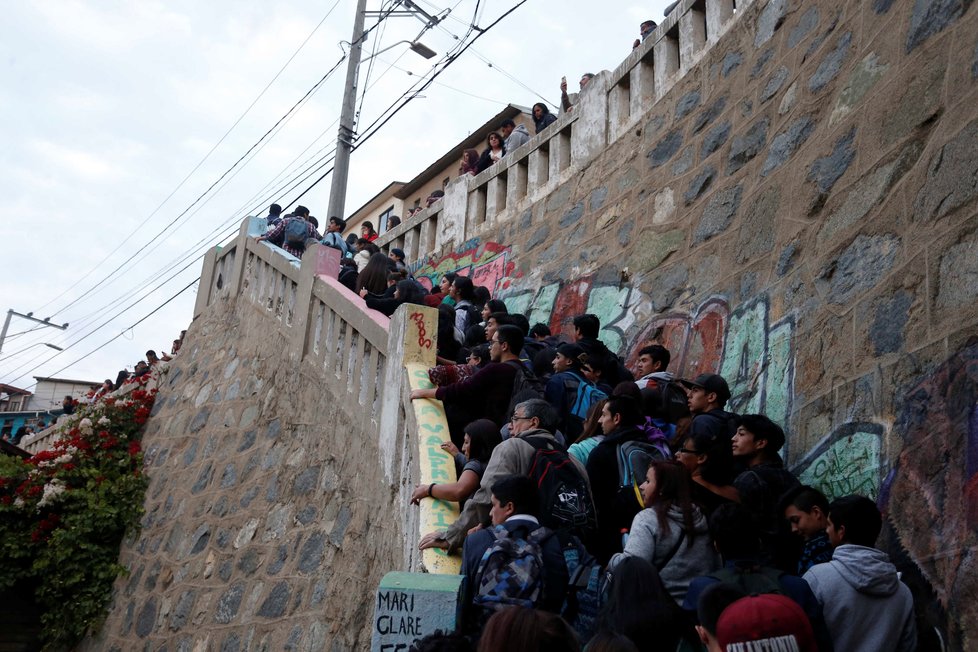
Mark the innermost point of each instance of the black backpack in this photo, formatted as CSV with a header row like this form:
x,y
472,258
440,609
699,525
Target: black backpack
x,y
565,499
526,385
675,403
472,316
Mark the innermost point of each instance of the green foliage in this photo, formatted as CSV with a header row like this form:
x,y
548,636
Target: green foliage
x,y
65,511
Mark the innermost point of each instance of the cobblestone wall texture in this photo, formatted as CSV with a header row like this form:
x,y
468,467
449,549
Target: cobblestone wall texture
x,y
268,525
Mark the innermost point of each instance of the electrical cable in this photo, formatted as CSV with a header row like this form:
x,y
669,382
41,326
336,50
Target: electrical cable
x,y
200,163
372,129
114,338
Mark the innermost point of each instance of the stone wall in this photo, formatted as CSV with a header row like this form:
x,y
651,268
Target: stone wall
x,y
793,207
797,213
268,521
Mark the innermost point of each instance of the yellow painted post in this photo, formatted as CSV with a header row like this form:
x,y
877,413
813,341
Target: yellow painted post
x,y
435,464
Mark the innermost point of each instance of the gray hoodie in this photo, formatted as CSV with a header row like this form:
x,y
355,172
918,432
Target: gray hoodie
x,y
866,606
517,137
677,561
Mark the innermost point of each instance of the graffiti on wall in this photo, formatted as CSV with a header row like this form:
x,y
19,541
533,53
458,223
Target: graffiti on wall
x,y
930,496
486,264
847,462
752,353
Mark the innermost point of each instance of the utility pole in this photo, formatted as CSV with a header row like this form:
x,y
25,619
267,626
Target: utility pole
x,y
29,316
344,140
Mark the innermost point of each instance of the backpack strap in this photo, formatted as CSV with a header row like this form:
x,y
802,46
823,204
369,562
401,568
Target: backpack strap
x,y
672,553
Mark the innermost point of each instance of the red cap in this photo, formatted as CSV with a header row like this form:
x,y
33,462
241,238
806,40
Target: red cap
x,y
764,622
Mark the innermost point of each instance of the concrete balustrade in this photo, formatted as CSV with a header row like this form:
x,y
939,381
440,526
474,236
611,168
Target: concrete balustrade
x,y
611,104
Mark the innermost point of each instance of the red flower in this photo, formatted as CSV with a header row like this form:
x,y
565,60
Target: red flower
x,y
134,448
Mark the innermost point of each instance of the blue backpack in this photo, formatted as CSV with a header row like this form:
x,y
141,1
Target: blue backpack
x,y
511,570
296,232
336,241
585,395
587,587
634,458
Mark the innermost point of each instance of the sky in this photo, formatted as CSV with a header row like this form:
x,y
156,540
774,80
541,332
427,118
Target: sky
x,y
119,117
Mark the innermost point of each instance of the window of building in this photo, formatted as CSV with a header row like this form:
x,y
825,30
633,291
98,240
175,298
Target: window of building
x,y
383,219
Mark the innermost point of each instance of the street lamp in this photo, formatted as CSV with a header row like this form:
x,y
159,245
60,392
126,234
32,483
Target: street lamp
x,y
29,316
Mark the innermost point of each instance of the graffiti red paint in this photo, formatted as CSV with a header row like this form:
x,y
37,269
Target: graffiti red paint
x,y
696,342
487,264
423,342
571,301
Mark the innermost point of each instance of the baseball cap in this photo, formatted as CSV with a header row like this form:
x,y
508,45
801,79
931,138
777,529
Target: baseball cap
x,y
572,352
765,622
711,383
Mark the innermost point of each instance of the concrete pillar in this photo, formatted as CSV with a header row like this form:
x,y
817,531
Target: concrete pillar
x,y
251,227
666,52
409,606
496,196
692,36
590,132
316,260
206,281
538,168
516,183
451,221
642,83
718,12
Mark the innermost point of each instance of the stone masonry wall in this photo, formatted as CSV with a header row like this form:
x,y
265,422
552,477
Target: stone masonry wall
x,y
798,213
268,524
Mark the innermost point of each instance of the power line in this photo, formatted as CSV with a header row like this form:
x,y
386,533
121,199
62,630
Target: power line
x,y
195,168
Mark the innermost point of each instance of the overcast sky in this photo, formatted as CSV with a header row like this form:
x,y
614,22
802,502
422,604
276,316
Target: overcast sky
x,y
108,106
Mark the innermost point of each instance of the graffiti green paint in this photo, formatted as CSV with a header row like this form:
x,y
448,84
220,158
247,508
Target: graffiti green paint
x,y
745,357
609,304
850,464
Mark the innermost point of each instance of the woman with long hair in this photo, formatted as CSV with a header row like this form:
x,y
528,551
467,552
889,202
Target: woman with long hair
x,y
495,150
481,437
591,436
671,533
470,163
367,231
373,278
406,291
542,117
639,606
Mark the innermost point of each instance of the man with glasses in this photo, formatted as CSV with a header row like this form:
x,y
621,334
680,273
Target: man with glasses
x,y
534,419
486,394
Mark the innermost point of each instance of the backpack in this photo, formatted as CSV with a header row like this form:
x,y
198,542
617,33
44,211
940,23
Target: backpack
x,y
587,587
525,385
585,395
565,500
472,316
336,242
674,400
756,580
296,233
634,458
511,570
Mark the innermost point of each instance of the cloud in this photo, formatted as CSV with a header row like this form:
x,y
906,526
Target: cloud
x,y
79,163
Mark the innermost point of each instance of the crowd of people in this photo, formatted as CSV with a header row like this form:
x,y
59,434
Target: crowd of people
x,y
70,403
629,504
630,509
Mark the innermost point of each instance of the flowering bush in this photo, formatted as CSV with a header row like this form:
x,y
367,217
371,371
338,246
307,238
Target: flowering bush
x,y
64,512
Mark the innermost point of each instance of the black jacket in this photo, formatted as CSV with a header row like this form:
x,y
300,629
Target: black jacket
x,y
615,507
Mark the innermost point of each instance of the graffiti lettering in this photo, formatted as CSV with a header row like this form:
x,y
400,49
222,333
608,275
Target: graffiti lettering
x,y
418,319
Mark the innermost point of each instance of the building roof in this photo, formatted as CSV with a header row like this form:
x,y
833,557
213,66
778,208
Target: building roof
x,y
473,141
10,389
367,205
67,381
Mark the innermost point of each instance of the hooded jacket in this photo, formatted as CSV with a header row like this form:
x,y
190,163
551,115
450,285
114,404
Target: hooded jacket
x,y
866,606
517,137
678,555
